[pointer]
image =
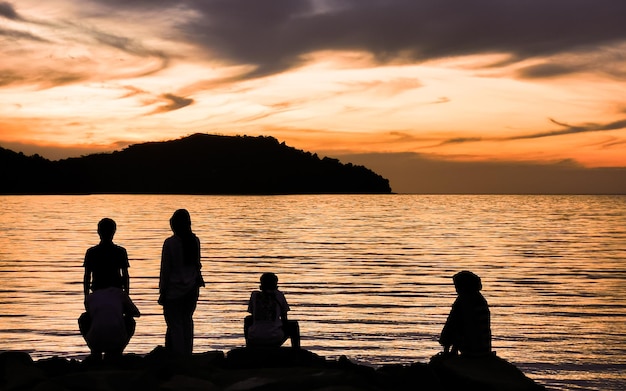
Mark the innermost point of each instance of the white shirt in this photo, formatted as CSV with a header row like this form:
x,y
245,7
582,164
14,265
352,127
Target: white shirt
x,y
267,309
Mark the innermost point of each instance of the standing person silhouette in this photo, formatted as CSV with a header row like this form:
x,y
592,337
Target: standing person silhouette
x,y
179,283
106,264
468,327
268,326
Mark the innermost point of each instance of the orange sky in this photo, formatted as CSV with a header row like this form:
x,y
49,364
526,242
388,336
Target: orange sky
x,y
514,81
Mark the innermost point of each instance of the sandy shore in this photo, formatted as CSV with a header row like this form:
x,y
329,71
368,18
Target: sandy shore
x,y
256,369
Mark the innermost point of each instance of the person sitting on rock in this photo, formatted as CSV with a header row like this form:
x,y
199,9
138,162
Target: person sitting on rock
x,y
467,329
268,325
109,323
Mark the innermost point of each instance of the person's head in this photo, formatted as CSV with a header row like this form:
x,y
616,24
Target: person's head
x,y
467,282
269,282
180,222
106,229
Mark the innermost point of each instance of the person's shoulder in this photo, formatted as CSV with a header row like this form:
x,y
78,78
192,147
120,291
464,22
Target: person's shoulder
x,y
92,249
93,252
171,239
119,248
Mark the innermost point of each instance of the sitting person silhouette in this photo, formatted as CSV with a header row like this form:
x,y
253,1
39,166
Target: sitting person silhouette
x,y
268,325
467,329
109,323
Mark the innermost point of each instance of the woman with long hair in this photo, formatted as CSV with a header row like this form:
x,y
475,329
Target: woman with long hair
x,y
179,283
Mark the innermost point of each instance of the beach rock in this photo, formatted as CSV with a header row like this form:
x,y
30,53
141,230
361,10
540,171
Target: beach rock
x,y
488,373
243,369
272,358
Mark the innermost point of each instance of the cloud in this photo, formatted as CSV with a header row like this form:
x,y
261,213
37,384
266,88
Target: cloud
x,y
123,43
49,52
573,129
566,130
16,34
174,103
440,100
7,11
546,70
461,140
275,36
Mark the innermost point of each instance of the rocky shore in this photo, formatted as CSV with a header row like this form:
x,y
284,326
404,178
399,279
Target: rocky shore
x,y
246,369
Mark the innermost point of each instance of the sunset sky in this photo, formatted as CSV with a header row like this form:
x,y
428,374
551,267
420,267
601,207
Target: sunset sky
x,y
410,88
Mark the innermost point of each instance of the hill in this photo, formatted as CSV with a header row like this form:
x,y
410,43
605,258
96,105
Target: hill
x,y
197,164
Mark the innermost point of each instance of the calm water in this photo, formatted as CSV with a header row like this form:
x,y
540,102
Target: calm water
x,y
366,276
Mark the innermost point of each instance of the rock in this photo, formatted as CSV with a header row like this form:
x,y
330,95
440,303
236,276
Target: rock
x,y
243,369
271,358
17,371
489,373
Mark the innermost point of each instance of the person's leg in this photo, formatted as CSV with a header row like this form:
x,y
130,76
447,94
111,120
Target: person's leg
x,y
84,323
174,319
293,331
247,322
130,324
178,315
189,307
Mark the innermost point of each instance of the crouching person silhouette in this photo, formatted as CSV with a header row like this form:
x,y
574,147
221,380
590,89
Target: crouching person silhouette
x,y
109,323
468,328
268,325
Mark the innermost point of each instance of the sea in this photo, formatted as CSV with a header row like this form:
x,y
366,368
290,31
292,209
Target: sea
x,y
368,277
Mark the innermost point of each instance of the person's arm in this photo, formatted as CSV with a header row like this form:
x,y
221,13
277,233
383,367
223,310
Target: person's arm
x,y
125,280
449,331
87,276
200,278
251,303
86,284
164,274
124,269
284,306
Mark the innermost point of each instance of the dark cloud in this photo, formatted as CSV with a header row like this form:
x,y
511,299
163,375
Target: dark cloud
x,y
174,102
17,34
546,70
573,129
42,77
7,11
9,77
461,140
566,129
275,35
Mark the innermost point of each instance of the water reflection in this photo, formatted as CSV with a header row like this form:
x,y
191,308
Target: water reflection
x,y
366,276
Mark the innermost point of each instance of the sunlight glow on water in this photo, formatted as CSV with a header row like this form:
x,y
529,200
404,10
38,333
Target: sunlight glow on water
x,y
366,276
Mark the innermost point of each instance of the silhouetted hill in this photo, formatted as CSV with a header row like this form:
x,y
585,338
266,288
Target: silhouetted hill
x,y
198,164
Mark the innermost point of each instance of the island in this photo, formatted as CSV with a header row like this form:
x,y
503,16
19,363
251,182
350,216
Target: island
x,y
196,164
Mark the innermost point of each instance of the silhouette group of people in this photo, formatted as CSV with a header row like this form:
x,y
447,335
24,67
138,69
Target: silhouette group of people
x,y
108,323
